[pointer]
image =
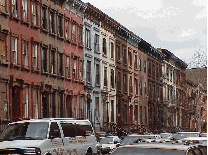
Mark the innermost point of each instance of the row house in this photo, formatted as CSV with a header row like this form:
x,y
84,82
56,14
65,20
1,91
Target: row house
x,y
196,100
135,78
108,88
92,65
174,90
152,66
40,41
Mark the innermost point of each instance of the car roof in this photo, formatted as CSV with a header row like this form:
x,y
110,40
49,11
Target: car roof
x,y
159,146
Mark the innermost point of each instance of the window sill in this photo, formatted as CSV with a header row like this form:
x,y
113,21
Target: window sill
x,y
5,14
15,18
68,40
25,68
88,48
45,73
74,43
53,35
81,46
14,66
25,23
76,81
61,38
97,52
104,55
61,77
35,70
53,75
97,85
113,89
81,81
5,63
44,30
35,26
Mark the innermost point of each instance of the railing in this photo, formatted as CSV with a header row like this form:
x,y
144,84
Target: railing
x,y
3,125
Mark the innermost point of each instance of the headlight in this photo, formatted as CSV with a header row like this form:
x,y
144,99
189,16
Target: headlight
x,y
32,151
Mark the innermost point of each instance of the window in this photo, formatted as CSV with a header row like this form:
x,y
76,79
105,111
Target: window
x,y
112,50
125,55
97,78
81,107
87,38
53,61
145,66
112,110
140,114
171,74
130,59
67,29
60,29
61,105
135,61
74,68
25,102
74,32
153,70
130,85
44,59
125,113
140,88
136,86
97,115
3,49
14,50
150,91
34,13
60,65
145,114
53,104
75,106
81,70
80,35
35,54
154,95
149,69
136,113
125,82
157,72
112,78
88,76
118,52
105,77
2,5
14,8
119,81
145,88
52,22
24,10
140,65
67,67
96,43
43,18
25,54
104,46
167,72
35,103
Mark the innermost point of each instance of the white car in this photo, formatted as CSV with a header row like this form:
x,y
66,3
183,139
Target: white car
x,y
109,143
49,136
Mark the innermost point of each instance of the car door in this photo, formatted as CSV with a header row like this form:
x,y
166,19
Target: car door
x,y
56,139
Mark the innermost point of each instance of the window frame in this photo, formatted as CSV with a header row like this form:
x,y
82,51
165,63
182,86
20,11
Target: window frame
x,y
14,50
25,10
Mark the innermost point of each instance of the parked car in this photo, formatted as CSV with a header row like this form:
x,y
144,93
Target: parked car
x,y
160,149
109,143
129,139
166,135
203,134
51,136
181,135
200,140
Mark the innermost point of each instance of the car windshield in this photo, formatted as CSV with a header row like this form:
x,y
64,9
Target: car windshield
x,y
106,140
26,130
147,151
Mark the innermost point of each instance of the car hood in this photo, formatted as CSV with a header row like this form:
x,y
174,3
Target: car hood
x,y
20,143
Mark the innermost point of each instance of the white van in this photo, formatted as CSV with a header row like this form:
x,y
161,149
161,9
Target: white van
x,y
49,136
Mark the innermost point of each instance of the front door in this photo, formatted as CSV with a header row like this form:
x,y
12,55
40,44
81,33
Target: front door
x,y
16,108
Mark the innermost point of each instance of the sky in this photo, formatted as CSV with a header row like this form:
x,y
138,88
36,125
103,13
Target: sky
x,y
179,26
